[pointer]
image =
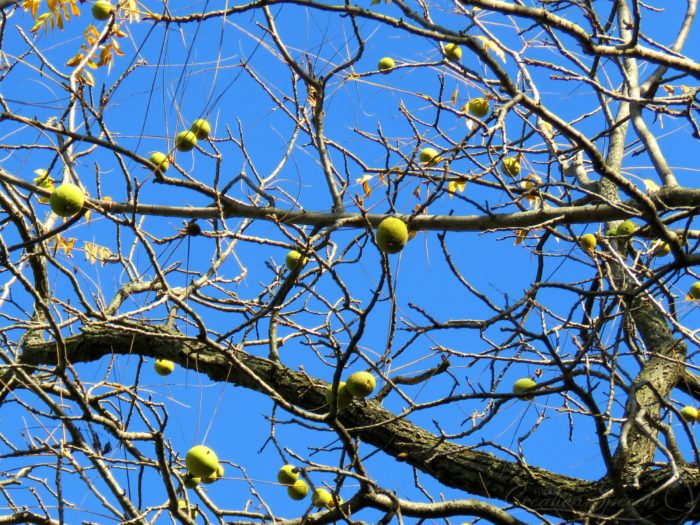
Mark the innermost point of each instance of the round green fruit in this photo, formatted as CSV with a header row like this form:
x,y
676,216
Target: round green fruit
x,y
694,292
299,490
361,384
689,414
102,9
201,128
626,228
392,235
510,166
662,249
160,161
190,481
523,385
163,367
193,510
386,64
479,107
185,140
288,474
215,476
201,461
588,242
344,397
321,498
67,200
293,259
453,52
429,156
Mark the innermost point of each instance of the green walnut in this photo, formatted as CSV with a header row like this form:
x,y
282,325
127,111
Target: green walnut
x,y
344,397
386,64
67,200
101,10
361,384
201,128
201,461
392,235
511,166
160,162
453,52
185,140
478,107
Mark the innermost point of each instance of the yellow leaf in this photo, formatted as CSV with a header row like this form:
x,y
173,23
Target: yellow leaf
x,y
104,255
131,10
51,5
453,99
74,9
670,90
40,22
75,60
59,20
116,48
456,186
90,252
412,234
490,45
64,244
451,186
520,236
43,181
686,90
87,77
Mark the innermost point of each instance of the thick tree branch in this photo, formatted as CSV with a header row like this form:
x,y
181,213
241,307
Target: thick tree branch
x,y
454,465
